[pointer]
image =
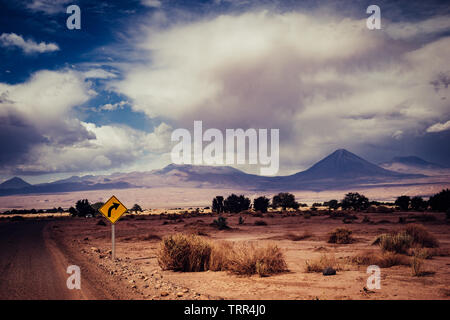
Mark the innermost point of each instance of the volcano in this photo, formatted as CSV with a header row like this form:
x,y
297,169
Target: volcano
x,y
14,183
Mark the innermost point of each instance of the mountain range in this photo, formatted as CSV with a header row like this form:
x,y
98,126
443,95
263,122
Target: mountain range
x,y
341,169
413,164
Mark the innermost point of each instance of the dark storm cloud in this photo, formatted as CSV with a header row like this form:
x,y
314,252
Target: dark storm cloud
x,y
310,68
17,138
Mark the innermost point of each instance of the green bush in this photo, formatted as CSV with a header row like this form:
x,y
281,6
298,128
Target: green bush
x,y
221,223
261,204
440,201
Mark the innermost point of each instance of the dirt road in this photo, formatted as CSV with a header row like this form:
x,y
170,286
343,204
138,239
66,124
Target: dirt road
x,y
33,267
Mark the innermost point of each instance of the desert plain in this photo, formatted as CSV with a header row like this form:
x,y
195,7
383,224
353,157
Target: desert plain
x,y
302,238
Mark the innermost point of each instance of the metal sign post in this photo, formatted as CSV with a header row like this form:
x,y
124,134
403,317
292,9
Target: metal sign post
x,y
113,240
112,210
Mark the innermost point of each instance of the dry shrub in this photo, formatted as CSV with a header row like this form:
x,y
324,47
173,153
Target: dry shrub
x,y
185,253
417,266
191,253
421,236
412,235
325,261
246,259
340,236
383,260
219,259
298,237
396,242
270,260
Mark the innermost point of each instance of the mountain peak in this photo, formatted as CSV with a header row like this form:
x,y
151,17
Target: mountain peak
x,y
341,153
14,183
343,164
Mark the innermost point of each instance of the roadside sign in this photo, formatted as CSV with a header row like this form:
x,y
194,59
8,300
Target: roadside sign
x,y
113,209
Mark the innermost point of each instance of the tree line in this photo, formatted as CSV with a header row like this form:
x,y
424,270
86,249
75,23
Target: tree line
x,y
235,204
352,201
83,208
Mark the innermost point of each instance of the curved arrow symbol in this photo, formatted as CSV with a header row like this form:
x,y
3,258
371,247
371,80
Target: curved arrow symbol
x,y
114,206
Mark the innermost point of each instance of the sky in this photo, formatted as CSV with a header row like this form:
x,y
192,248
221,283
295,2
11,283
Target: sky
x,y
107,97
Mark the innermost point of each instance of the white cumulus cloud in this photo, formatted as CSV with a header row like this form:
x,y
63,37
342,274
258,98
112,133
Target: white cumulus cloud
x,y
41,132
28,46
438,127
152,3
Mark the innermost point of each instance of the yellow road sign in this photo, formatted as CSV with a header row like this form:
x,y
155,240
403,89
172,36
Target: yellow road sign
x,y
113,209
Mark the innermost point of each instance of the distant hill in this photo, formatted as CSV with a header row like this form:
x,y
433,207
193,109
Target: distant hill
x,y
14,183
413,164
57,187
341,169
206,176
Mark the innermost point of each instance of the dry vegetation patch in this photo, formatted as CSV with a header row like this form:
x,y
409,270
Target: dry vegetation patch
x,y
383,260
191,253
246,259
340,236
325,261
394,242
412,236
185,253
421,236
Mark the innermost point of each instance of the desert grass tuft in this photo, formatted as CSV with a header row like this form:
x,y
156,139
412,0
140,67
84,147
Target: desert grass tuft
x,y
412,236
397,242
219,259
247,259
187,253
340,236
318,265
383,260
421,236
417,265
191,253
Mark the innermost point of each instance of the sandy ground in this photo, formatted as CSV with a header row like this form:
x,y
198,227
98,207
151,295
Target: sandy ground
x,y
34,266
168,198
138,241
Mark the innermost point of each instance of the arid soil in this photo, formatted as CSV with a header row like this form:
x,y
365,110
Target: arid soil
x,y
138,240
